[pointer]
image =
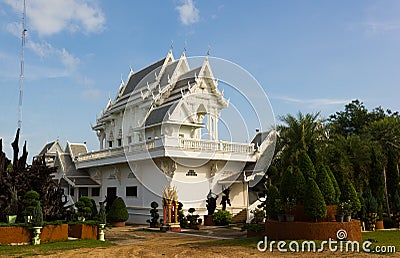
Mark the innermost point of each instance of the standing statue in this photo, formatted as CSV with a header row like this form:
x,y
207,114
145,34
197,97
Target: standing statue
x,y
211,202
225,197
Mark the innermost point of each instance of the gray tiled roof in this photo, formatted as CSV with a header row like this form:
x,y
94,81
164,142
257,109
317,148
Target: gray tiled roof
x,y
158,115
83,181
69,166
46,148
77,149
139,75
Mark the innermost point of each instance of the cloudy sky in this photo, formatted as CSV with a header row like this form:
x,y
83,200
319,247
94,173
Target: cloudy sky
x,y
308,56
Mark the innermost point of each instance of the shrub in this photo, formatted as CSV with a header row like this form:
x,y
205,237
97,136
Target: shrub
x,y
30,200
118,211
273,203
306,166
314,204
192,218
259,215
12,208
154,215
102,219
325,185
335,184
349,194
287,187
94,211
181,217
388,222
222,217
300,183
84,206
37,215
371,205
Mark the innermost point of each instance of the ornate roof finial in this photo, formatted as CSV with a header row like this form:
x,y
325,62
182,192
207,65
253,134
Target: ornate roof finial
x,y
172,46
184,47
208,50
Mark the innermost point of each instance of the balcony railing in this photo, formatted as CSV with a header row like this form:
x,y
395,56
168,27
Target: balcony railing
x,y
181,143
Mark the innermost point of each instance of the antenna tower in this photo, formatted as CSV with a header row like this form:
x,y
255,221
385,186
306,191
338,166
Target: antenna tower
x,y
21,76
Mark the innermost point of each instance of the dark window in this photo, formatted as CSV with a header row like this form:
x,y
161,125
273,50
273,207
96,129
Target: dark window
x,y
96,191
119,142
112,192
72,193
83,191
110,144
129,139
191,172
131,191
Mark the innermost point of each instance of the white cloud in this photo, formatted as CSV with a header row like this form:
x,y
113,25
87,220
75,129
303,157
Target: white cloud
x,y
46,51
51,17
188,13
314,102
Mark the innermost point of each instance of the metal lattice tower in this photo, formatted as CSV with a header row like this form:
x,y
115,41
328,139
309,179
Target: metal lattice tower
x,y
21,76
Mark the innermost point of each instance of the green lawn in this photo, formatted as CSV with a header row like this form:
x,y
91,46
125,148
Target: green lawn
x,y
51,247
378,238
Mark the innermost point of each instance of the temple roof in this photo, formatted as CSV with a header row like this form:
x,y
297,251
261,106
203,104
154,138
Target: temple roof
x,y
139,75
157,115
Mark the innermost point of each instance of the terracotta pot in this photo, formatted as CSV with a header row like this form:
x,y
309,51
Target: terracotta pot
x,y
118,224
379,225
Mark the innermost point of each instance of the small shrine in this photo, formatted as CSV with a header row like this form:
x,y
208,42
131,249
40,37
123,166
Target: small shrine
x,y
170,210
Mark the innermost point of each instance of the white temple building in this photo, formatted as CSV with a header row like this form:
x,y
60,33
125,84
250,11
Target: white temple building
x,y
162,129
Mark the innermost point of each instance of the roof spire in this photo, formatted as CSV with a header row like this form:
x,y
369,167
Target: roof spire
x,y
184,47
208,50
172,46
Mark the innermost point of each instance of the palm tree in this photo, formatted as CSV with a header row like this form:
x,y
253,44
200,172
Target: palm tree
x,y
301,133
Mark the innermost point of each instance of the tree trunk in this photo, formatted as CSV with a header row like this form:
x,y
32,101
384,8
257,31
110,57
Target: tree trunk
x,y
386,192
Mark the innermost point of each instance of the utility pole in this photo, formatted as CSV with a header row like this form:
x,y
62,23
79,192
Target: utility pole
x,y
21,76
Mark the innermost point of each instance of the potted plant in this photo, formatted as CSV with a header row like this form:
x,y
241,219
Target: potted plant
x,y
290,205
118,213
102,221
346,210
154,215
280,210
84,206
30,200
37,222
193,219
222,217
12,208
340,215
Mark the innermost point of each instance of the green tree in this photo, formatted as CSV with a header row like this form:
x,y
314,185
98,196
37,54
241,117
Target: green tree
x,y
306,166
297,134
300,184
325,185
314,204
287,186
335,185
273,202
349,194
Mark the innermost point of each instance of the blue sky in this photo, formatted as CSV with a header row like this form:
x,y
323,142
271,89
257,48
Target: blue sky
x,y
308,56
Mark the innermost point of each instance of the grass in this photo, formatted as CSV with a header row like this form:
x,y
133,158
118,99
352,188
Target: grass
x,y
51,247
378,238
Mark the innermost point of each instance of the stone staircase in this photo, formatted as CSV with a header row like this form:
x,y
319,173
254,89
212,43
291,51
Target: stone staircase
x,y
240,217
